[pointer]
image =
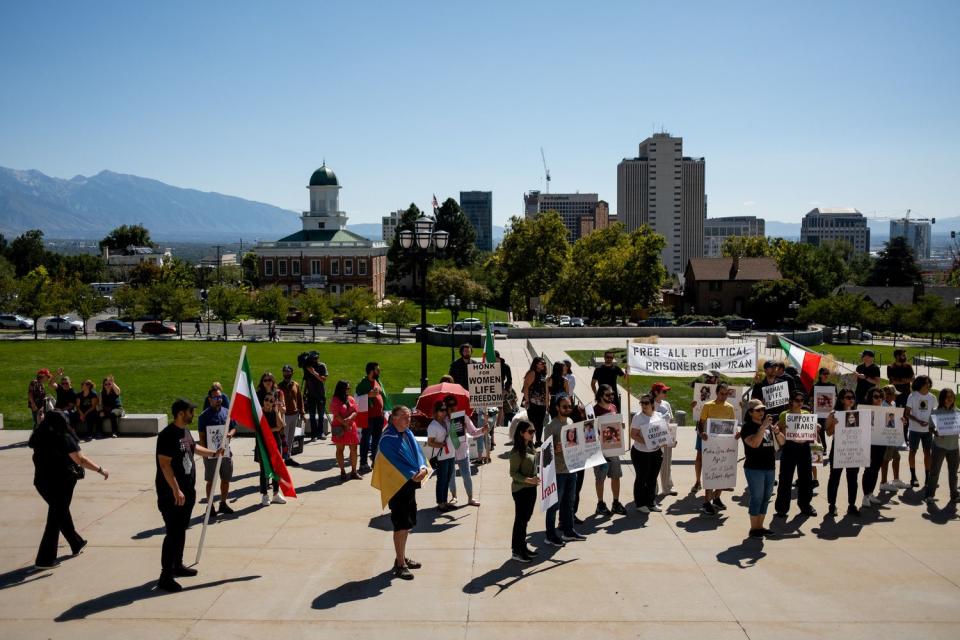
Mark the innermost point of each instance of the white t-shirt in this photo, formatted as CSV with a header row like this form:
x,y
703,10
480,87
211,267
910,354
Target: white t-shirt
x,y
440,433
639,420
571,382
920,408
663,408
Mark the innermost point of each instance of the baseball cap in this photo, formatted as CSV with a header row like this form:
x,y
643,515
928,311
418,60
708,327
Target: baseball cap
x,y
181,405
658,387
43,372
769,364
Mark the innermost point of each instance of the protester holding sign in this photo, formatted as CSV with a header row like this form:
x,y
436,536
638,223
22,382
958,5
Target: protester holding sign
x,y
872,473
946,422
645,430
711,379
461,426
758,434
661,406
611,467
770,379
566,481
892,454
523,473
824,400
719,409
847,403
442,453
918,409
794,456
535,395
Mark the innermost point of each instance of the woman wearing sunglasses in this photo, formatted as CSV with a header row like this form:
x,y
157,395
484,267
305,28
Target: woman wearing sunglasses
x,y
794,457
846,401
523,473
872,473
758,433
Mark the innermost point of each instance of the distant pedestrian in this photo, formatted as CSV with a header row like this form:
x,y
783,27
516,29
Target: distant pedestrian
x,y
315,399
376,402
240,330
197,333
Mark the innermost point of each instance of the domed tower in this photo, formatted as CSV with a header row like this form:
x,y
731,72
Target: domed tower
x,y
324,210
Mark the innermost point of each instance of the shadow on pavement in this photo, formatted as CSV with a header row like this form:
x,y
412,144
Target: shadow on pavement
x,y
353,591
428,521
130,595
789,529
509,574
22,576
688,505
832,529
159,531
702,523
743,555
941,516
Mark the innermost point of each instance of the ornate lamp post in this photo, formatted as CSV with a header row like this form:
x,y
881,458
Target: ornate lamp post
x,y
422,245
795,311
472,307
452,302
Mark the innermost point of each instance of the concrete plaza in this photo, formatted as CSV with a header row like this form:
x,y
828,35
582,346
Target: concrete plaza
x,y
319,566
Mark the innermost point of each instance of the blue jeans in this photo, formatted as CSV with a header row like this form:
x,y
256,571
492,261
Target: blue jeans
x,y
445,472
370,439
760,483
464,466
566,492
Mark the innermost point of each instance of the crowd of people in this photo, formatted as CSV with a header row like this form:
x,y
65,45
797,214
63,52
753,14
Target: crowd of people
x,y
85,410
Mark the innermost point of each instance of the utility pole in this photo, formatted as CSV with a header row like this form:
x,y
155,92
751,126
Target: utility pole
x,y
219,275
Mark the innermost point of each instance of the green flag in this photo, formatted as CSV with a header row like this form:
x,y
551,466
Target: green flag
x,y
488,352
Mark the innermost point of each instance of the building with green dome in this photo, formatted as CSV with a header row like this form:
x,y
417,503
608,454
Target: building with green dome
x,y
324,254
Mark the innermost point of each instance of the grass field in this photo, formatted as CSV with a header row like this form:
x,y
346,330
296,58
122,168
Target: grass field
x,y
884,353
442,316
151,374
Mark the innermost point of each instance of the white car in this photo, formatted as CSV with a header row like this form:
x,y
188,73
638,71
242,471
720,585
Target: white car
x,y
564,321
14,321
468,324
499,328
62,324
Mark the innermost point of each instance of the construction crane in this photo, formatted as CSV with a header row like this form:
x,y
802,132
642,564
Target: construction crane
x,y
546,171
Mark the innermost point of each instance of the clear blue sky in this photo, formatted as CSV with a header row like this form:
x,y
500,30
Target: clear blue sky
x,y
828,103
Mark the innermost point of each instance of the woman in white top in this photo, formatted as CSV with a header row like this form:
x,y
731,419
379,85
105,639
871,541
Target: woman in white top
x,y
568,376
920,404
646,459
462,453
438,438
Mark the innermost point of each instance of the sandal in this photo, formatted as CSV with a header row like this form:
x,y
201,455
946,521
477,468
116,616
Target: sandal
x,y
356,475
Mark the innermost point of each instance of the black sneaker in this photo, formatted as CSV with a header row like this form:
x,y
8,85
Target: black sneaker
x,y
184,572
718,504
809,512
412,564
402,572
79,548
769,533
531,552
816,483
364,468
168,584
52,565
756,533
577,535
225,509
323,436
602,509
708,510
292,463
832,510
577,520
554,542
519,556
853,510
619,509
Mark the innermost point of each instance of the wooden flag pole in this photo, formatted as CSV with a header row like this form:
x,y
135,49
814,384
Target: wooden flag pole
x,y
629,392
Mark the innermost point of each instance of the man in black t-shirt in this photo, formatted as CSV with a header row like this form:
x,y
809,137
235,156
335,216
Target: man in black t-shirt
x,y
315,398
608,373
175,482
868,376
901,375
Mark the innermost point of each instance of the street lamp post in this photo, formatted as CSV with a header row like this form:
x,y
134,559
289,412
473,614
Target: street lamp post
x,y
421,245
795,310
452,303
472,307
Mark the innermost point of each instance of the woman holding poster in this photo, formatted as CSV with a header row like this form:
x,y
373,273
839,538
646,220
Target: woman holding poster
x,y
758,434
523,473
646,458
872,473
846,401
945,446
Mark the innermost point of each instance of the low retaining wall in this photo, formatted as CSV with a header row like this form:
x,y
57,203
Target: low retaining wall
x,y
617,332
810,338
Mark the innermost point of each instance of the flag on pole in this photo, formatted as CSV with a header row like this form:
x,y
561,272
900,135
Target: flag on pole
x,y
246,411
488,352
436,205
806,362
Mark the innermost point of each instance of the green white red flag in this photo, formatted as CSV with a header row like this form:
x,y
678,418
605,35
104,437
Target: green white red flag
x,y
806,362
489,354
246,411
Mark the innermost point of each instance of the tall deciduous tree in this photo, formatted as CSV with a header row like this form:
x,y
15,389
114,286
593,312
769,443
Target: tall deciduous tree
x,y
8,284
270,304
27,252
86,301
443,280
399,313
133,235
180,305
532,257
631,272
357,304
315,307
895,266
749,246
227,303
32,300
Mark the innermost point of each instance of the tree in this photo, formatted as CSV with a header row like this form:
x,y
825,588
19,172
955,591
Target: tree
x,y
144,274
270,304
928,314
8,283
129,303
531,257
576,290
179,273
631,272
181,304
399,265
895,266
462,247
134,235
250,267
86,301
399,313
749,246
27,252
770,300
315,307
32,298
59,297
357,304
443,280
154,300
227,303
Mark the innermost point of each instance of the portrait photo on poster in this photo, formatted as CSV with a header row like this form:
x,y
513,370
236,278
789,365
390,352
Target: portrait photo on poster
x,y
717,427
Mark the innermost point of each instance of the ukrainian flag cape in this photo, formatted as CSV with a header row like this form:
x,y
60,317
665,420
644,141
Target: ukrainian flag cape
x,y
398,460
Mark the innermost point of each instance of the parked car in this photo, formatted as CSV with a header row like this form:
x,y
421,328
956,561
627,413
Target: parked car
x,y
416,327
656,321
113,326
295,316
499,328
468,324
564,321
550,319
576,322
14,321
62,324
700,323
158,329
364,327
739,324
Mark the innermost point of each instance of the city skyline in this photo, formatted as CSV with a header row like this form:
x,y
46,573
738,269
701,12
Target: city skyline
x,y
794,107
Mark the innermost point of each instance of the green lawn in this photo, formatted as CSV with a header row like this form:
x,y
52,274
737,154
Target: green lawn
x,y
884,353
151,374
442,316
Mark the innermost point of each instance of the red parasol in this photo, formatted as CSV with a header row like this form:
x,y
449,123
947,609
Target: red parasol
x,y
437,392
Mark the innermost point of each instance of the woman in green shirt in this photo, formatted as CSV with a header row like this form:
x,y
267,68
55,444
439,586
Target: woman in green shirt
x,y
523,472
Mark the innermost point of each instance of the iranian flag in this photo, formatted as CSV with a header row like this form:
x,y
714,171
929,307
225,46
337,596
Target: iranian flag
x,y
245,410
806,362
488,352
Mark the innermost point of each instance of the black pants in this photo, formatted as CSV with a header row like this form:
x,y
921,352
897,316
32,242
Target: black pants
x,y
536,413
370,439
315,408
833,485
872,473
523,503
57,495
263,482
646,466
176,520
794,456
114,422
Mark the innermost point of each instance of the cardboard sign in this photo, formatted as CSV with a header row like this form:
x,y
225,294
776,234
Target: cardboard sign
x,y
737,400
610,428
217,438
824,399
721,427
800,427
656,432
692,359
776,395
485,384
886,426
946,424
851,439
580,443
548,476
719,469
702,394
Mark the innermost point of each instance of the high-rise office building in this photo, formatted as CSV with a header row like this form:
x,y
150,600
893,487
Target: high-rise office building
x,y
581,212
388,225
716,230
478,207
664,189
822,225
916,233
